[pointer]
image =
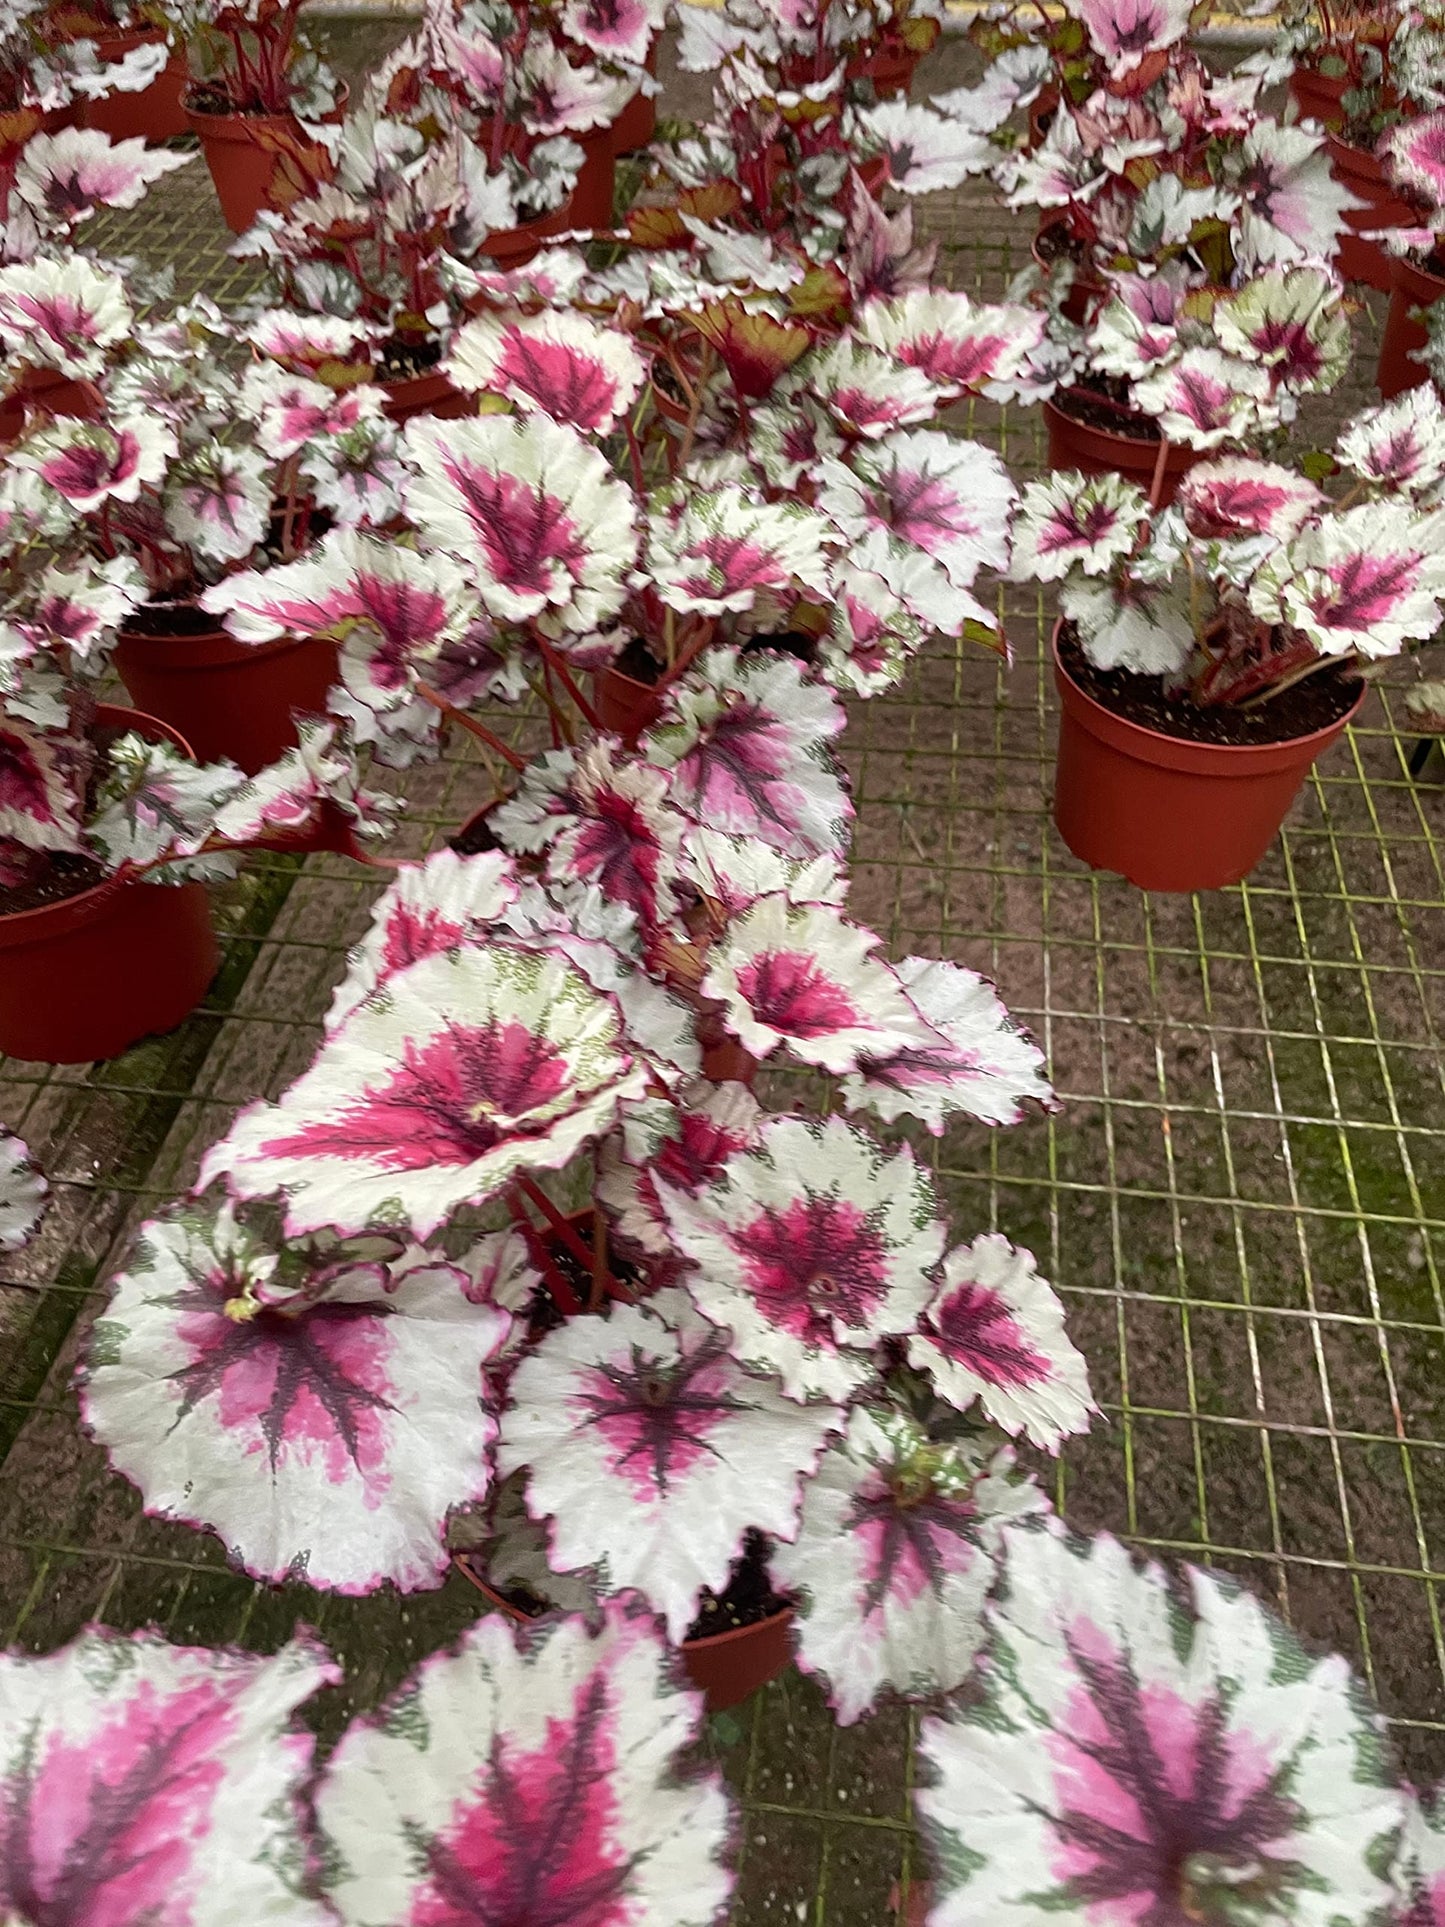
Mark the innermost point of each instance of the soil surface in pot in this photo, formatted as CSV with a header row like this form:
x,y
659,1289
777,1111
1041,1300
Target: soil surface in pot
x,y
1102,401
401,360
179,618
1054,242
63,873
1313,704
749,1597
638,662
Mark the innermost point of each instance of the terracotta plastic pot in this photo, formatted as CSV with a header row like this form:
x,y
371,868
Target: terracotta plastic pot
x,y
88,977
153,114
1363,173
45,391
635,126
242,151
725,1668
625,705
227,698
1169,814
591,202
430,394
1319,95
1099,451
1410,287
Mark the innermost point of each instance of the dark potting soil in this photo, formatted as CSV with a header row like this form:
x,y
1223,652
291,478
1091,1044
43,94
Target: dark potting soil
x,y
474,840
179,618
1101,401
638,662
748,1598
579,1277
790,642
62,873
402,360
1054,242
1313,704
63,876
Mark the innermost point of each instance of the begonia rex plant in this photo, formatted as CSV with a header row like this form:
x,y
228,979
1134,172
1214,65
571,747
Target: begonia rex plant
x,y
1254,578
556,1005
254,57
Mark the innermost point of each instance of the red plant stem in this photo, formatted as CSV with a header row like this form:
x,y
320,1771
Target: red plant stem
x,y
469,723
600,1279
639,474
567,1300
693,650
564,676
560,1227
1156,487
554,713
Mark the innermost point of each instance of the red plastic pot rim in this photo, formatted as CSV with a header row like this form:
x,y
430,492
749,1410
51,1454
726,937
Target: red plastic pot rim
x,y
47,920
215,648
1139,451
1152,746
714,1642
1414,281
237,127
1362,162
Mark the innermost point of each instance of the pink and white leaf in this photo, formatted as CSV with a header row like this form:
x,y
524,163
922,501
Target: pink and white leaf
x,y
712,1122
1205,398
78,610
458,1072
65,177
1291,206
432,906
654,1453
1291,321
561,364
1367,580
393,611
982,1065
811,1246
287,794
602,817
326,1436
1137,330
1238,495
1124,31
91,463
532,508
23,1193
921,494
218,500
621,30
805,977
868,392
894,1558
873,636
1124,623
141,1781
306,343
923,150
39,807
1146,1750
63,314
720,551
529,1777
964,347
736,870
1400,445
1069,522
747,742
1414,153
154,802
994,1333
